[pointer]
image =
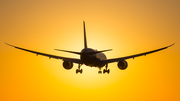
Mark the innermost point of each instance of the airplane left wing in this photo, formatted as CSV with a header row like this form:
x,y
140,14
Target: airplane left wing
x,y
49,55
133,56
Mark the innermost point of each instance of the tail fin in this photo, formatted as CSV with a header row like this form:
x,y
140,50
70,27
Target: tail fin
x,y
85,40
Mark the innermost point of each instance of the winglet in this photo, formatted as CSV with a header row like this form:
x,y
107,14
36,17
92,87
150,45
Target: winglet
x,y
171,45
9,44
85,40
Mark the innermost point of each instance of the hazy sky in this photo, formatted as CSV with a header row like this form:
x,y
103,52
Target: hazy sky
x,y
126,26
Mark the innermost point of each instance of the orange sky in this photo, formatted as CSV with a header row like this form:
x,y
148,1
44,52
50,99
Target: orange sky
x,y
126,26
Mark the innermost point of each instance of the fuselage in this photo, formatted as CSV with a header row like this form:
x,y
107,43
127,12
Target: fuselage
x,y
92,60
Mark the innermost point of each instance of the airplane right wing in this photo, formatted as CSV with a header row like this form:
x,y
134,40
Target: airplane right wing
x,y
133,56
50,56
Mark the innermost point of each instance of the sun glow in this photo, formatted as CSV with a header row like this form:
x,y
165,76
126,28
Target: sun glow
x,y
89,79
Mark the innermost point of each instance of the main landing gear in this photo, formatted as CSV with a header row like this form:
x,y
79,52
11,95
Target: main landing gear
x,y
104,71
79,70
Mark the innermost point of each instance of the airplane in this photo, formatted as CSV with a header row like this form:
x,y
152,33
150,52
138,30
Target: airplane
x,y
91,57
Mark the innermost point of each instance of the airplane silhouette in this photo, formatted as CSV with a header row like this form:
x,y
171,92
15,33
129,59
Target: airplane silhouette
x,y
91,57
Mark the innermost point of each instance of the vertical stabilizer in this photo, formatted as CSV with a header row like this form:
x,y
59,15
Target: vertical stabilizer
x,y
85,41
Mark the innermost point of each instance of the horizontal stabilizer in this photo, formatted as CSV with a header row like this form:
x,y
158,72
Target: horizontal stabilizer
x,y
90,53
68,51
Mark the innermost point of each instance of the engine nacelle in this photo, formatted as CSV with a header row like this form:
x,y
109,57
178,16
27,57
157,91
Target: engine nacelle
x,y
122,65
67,65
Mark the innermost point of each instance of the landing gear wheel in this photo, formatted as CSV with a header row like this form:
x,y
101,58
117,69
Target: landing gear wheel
x,y
99,72
77,71
81,71
104,71
108,71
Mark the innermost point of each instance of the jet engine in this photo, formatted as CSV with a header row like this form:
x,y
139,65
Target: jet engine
x,y
122,65
67,65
